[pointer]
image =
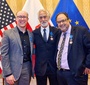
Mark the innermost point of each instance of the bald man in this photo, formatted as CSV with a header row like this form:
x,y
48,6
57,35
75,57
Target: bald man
x,y
16,51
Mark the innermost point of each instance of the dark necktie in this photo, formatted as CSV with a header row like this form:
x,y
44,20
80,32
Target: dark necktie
x,y
61,51
44,35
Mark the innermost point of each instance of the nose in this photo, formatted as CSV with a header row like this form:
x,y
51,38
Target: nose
x,y
22,18
61,23
43,18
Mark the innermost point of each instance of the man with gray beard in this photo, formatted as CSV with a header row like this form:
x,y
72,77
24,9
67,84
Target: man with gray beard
x,y
45,42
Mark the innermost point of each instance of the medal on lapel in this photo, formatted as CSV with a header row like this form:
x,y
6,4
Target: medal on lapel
x,y
51,36
71,37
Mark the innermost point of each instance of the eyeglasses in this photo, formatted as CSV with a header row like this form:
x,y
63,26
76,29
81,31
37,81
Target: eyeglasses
x,y
42,17
22,17
64,20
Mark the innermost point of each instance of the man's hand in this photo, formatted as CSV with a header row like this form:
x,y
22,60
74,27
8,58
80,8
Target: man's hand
x,y
10,79
87,71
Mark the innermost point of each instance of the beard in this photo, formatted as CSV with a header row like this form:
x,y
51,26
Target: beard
x,y
44,24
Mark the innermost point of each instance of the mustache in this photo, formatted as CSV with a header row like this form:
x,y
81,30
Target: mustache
x,y
43,22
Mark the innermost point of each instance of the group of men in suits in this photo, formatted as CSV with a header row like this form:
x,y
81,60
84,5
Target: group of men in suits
x,y
62,53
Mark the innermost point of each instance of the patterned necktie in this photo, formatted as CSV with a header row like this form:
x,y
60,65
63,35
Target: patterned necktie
x,y
61,51
44,35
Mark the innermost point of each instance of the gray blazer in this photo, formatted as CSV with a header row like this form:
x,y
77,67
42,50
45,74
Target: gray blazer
x,y
12,53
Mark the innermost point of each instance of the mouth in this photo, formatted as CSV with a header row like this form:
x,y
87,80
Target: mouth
x,y
22,22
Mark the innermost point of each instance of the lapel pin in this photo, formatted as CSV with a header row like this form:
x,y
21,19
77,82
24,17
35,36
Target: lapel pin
x,y
71,37
51,35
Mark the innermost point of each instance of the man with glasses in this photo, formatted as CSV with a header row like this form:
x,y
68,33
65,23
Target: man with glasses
x,y
45,42
16,52
73,56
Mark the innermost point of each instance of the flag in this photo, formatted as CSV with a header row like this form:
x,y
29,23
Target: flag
x,y
7,17
32,7
70,8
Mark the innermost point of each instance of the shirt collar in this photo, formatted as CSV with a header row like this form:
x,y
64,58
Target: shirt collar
x,y
47,29
21,31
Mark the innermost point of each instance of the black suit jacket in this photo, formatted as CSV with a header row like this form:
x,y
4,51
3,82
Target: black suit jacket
x,y
78,50
45,52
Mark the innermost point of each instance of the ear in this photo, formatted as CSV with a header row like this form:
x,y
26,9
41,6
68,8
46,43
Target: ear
x,y
69,20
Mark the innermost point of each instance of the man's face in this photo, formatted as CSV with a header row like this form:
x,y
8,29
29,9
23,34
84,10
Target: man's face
x,y
62,22
22,19
43,18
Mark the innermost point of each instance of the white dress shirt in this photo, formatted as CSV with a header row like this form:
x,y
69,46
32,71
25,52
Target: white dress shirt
x,y
47,31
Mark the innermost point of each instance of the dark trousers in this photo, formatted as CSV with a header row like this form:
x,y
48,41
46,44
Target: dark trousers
x,y
66,78
42,80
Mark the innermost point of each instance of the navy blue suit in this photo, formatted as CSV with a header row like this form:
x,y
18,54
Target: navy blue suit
x,y
45,63
78,57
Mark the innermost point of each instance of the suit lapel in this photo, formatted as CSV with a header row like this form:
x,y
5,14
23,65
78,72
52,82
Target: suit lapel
x,y
39,33
51,34
50,30
15,30
71,41
31,41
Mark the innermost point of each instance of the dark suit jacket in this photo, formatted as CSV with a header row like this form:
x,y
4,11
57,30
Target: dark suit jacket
x,y
45,52
79,50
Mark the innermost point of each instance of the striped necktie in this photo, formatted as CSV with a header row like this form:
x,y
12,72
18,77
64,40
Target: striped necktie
x,y
61,51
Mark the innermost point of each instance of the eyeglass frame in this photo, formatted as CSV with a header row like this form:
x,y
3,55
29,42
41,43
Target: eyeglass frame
x,y
64,20
22,17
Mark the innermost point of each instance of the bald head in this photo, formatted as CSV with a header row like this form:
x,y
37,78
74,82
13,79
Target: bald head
x,y
22,12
